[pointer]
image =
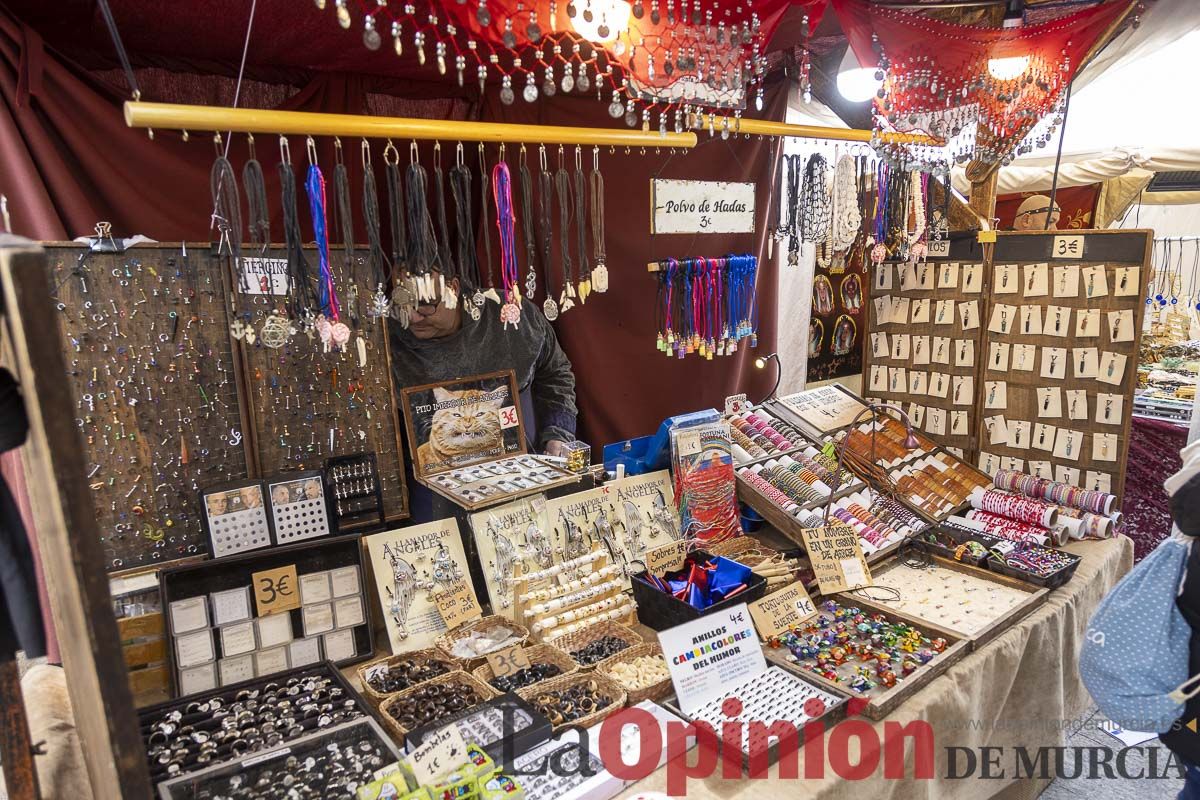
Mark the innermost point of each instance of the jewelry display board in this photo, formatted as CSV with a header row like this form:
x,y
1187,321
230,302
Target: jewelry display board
x,y
406,568
974,603
509,534
265,612
308,403
170,400
1065,412
155,382
468,441
925,328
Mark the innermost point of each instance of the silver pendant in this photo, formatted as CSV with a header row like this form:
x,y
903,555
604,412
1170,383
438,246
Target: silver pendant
x,y
616,109
568,82
530,93
530,284
507,96
478,298
583,83
550,309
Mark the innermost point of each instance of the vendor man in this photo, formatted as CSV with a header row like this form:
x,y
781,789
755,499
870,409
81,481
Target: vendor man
x,y
1032,213
442,344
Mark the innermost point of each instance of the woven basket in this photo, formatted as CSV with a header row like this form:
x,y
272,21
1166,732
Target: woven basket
x,y
484,691
537,654
446,641
606,686
577,640
420,656
743,549
656,691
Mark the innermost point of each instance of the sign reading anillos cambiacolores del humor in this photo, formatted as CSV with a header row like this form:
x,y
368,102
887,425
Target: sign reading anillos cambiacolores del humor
x,y
701,207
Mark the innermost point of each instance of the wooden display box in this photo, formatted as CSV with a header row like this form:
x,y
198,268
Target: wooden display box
x,y
882,700
1035,596
467,442
207,577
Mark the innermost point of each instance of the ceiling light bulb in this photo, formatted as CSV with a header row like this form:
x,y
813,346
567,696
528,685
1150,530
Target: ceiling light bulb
x,y
855,82
1007,69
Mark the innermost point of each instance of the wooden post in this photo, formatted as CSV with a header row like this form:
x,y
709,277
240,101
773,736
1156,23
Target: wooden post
x,y
16,749
983,192
68,535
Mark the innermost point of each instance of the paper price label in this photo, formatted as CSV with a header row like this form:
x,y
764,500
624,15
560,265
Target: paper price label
x,y
276,590
442,751
837,558
666,557
1068,247
688,443
782,610
457,605
939,248
506,662
509,418
735,403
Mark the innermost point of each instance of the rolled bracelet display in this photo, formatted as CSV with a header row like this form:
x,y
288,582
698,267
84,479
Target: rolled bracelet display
x,y
565,566
1015,506
576,597
1055,492
604,616
549,593
1010,529
576,614
773,494
1084,525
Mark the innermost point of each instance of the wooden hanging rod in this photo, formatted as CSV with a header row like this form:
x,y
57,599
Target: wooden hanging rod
x,y
763,127
171,116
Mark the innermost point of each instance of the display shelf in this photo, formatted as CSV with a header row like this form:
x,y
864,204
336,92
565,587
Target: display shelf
x,y
881,700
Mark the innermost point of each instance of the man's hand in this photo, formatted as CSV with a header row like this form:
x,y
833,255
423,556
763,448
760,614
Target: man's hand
x,y
556,447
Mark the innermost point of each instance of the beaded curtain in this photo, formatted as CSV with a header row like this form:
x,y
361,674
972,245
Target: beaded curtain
x,y
937,73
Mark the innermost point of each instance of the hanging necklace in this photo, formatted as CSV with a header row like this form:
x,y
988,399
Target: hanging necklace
x,y
527,226
301,296
333,332
596,183
546,231
510,277
583,270
846,218
422,253
468,259
793,201
449,269
489,293
562,182
814,200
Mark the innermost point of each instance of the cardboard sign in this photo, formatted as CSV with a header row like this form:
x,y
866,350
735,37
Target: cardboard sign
x,y
1068,247
264,276
458,605
837,558
442,751
782,610
709,655
736,403
276,590
506,662
701,207
666,557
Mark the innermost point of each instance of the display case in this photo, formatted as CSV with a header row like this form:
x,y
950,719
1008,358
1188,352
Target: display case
x,y
467,442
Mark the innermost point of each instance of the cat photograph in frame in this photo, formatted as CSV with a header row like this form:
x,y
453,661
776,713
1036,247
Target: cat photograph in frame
x,y
467,442
459,423
235,517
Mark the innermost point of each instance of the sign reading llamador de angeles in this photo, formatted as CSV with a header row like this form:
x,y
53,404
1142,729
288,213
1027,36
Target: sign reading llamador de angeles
x,y
701,207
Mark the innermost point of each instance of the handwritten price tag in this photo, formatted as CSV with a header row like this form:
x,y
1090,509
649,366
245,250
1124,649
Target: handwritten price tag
x,y
509,417
837,558
442,751
506,662
276,590
782,610
666,557
458,605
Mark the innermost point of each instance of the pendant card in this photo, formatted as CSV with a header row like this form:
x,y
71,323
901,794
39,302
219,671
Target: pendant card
x,y
298,510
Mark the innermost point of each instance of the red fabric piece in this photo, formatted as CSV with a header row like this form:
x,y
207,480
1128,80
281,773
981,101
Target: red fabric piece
x,y
1154,447
961,56
1078,204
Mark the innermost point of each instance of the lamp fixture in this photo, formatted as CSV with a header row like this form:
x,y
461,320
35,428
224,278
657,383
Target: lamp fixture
x,y
761,363
1010,67
855,82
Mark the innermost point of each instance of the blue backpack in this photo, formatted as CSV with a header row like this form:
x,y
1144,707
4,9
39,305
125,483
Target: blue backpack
x,y
1134,659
